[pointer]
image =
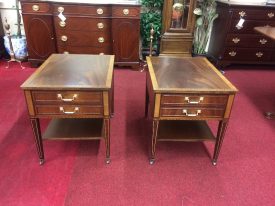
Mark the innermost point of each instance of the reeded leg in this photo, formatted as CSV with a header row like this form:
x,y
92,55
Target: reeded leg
x,y
220,136
107,139
154,141
38,139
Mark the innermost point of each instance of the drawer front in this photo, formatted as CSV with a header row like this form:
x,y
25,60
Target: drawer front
x,y
124,11
67,97
83,24
248,26
83,10
193,100
247,54
84,50
82,38
259,14
243,40
192,112
70,110
36,8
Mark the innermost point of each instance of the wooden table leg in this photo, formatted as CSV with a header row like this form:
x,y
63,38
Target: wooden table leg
x,y
38,139
270,115
107,139
154,141
220,136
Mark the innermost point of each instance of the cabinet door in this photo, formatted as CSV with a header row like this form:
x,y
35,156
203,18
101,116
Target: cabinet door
x,y
40,36
125,34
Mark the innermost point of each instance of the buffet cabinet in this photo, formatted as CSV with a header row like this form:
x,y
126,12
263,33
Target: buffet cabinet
x,y
233,38
82,27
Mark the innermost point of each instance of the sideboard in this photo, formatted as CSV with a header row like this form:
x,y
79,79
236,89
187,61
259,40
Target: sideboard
x,y
82,27
233,39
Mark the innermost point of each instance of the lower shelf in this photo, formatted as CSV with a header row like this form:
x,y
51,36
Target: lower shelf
x,y
74,129
190,131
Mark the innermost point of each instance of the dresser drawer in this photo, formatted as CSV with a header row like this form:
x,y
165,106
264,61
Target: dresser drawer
x,y
72,110
193,100
248,26
83,10
83,24
248,40
36,8
125,11
247,54
84,50
68,97
192,112
259,14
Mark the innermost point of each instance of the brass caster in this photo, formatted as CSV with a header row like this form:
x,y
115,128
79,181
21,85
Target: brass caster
x,y
41,161
152,161
108,161
214,163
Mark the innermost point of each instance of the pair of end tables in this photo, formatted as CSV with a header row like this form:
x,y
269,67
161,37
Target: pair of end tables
x,y
77,92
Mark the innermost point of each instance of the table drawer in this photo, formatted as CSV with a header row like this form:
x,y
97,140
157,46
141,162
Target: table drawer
x,y
68,97
84,50
68,110
243,40
125,11
36,8
192,112
193,100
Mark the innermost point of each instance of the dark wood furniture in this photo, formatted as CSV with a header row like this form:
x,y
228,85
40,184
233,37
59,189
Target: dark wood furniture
x,y
182,94
108,27
230,44
76,92
177,27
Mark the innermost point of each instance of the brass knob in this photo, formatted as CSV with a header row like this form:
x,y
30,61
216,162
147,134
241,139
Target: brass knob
x,y
259,54
60,9
100,25
236,40
64,38
99,11
100,39
263,41
270,15
125,11
242,13
65,52
232,53
62,23
101,53
35,8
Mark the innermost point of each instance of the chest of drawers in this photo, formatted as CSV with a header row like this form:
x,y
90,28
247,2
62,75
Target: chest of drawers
x,y
231,44
89,28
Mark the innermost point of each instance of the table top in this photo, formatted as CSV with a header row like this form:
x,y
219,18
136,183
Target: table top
x,y
188,74
72,71
267,31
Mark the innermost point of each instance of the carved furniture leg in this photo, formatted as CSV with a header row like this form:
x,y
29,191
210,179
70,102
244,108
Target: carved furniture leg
x,y
38,139
107,139
154,141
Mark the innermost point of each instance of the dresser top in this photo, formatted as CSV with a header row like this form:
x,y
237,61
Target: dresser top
x,y
74,72
189,74
259,3
122,2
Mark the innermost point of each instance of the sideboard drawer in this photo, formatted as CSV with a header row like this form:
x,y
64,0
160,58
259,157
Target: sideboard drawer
x,y
265,14
84,50
124,11
247,54
36,8
248,40
248,26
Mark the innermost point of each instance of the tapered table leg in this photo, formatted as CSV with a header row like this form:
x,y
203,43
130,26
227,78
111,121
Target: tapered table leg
x,y
38,139
154,141
107,139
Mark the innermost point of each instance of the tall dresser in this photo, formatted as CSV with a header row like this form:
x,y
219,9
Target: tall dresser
x,y
235,42
82,27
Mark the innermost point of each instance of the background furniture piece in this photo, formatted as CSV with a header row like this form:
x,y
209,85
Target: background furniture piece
x,y
229,44
177,27
181,95
111,27
3,52
79,105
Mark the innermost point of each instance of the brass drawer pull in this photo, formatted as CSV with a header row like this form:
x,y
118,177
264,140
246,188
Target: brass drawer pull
x,y
59,96
35,7
100,25
125,11
65,52
60,9
100,39
236,40
242,13
185,112
263,41
62,23
64,38
270,15
101,53
99,11
76,109
259,54
232,53
194,102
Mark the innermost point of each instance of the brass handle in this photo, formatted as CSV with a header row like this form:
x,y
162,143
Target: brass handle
x,y
270,15
76,109
59,96
65,52
259,54
236,40
60,9
232,53
100,25
62,23
101,53
242,13
99,11
35,7
185,112
263,41
100,39
64,38
125,11
193,102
